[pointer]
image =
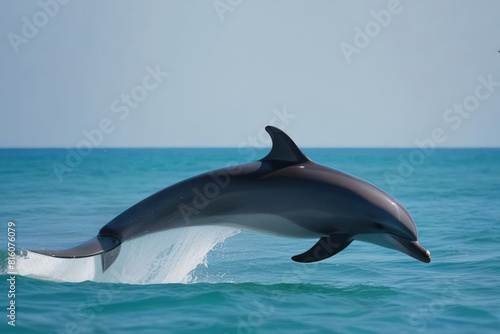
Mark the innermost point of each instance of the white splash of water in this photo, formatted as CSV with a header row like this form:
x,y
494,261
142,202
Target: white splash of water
x,y
164,257
55,269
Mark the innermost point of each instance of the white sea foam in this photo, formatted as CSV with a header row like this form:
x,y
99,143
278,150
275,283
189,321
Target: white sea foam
x,y
164,257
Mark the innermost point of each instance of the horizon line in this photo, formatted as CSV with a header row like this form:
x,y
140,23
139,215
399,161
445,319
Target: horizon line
x,y
246,147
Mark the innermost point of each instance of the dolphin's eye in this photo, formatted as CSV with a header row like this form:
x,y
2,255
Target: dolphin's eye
x,y
379,226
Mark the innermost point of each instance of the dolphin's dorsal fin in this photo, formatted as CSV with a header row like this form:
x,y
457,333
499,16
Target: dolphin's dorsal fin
x,y
284,149
324,248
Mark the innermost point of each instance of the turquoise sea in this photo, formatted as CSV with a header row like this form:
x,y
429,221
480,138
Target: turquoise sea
x,y
220,280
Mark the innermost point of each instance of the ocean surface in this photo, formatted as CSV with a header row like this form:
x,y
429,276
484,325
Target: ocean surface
x,y
222,280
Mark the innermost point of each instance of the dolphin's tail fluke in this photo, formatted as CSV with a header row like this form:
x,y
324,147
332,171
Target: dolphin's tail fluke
x,y
107,246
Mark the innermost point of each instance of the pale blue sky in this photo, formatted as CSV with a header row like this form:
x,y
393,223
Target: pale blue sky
x,y
228,78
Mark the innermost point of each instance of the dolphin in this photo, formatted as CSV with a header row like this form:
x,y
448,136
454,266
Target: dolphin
x,y
284,194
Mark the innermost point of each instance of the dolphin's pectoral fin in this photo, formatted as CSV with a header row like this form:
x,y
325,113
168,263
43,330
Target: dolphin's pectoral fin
x,y
324,248
284,149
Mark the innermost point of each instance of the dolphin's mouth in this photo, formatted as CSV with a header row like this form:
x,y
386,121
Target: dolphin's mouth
x,y
411,248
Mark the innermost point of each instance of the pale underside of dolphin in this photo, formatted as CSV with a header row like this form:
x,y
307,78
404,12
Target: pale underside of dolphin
x,y
285,194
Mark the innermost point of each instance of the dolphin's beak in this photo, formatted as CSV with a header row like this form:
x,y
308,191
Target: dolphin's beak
x,y
409,247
